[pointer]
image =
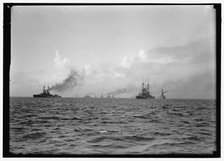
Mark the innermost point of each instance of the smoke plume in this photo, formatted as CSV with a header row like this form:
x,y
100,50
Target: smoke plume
x,y
73,79
128,89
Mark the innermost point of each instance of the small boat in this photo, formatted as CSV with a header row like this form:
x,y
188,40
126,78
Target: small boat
x,y
162,96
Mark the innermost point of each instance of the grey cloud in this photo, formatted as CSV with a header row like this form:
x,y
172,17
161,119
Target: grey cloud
x,y
197,86
194,49
128,89
191,75
73,79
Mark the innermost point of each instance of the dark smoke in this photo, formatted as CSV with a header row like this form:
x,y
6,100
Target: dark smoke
x,y
73,79
128,89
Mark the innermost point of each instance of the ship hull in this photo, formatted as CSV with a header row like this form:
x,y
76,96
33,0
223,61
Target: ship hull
x,y
44,96
141,97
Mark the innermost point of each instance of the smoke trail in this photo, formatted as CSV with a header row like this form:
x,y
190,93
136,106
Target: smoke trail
x,y
73,79
128,89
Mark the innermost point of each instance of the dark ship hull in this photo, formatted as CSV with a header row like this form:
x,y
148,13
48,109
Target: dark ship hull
x,y
145,97
162,97
46,96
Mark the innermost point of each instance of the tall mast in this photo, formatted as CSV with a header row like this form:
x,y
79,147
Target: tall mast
x,y
148,87
164,91
44,88
142,87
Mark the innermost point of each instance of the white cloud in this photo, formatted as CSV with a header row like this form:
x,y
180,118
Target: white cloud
x,y
147,57
118,75
87,69
62,66
142,55
126,62
60,63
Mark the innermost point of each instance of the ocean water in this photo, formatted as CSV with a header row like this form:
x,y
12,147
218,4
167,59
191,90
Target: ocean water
x,y
112,126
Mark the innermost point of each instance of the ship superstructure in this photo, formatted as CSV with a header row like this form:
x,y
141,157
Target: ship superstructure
x,y
145,93
46,94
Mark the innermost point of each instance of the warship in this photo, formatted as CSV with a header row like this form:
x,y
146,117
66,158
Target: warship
x,y
109,95
145,93
87,96
162,96
46,94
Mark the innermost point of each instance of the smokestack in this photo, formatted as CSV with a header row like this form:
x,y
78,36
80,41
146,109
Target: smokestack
x,y
142,86
44,89
148,87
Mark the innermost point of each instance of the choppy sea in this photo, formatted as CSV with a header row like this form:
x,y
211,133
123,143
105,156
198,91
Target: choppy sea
x,y
112,126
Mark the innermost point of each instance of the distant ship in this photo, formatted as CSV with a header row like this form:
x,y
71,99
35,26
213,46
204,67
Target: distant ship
x,y
145,93
110,95
46,94
87,96
162,96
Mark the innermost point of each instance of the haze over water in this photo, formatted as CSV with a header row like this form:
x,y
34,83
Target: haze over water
x,y
112,126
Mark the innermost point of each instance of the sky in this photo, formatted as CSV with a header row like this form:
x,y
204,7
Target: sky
x,y
96,50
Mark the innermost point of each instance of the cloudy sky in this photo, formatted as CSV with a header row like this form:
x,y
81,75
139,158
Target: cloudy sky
x,y
103,49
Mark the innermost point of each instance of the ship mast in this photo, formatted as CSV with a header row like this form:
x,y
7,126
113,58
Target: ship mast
x,y
162,94
48,90
142,87
44,89
148,88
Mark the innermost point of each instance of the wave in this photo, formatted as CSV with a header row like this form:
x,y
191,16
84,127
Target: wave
x,y
109,146
162,133
170,145
203,124
137,138
50,117
110,127
194,138
35,135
